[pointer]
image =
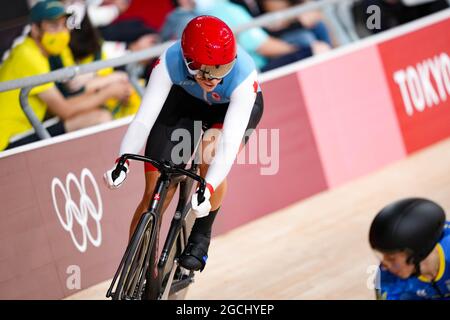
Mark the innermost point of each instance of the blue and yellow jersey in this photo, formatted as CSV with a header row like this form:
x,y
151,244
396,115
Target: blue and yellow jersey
x,y
392,287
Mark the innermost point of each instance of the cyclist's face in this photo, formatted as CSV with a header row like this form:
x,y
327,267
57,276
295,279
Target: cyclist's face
x,y
397,264
207,85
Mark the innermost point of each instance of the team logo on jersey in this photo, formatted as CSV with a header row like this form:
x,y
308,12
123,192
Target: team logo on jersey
x,y
421,293
447,284
216,96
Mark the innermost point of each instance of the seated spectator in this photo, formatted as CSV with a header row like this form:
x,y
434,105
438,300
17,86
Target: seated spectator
x,y
397,12
307,29
85,47
253,6
175,22
268,52
134,32
48,36
117,37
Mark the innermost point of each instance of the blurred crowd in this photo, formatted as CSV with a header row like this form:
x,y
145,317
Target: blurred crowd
x,y
73,32
397,12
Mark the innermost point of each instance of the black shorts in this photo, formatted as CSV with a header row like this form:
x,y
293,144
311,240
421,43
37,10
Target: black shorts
x,y
184,111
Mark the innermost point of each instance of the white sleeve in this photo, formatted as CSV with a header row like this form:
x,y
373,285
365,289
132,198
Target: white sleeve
x,y
234,126
155,95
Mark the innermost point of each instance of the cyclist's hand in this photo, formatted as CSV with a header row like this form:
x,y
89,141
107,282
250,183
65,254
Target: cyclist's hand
x,y
201,209
115,182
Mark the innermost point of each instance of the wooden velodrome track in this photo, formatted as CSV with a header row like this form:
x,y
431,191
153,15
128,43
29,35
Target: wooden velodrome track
x,y
317,248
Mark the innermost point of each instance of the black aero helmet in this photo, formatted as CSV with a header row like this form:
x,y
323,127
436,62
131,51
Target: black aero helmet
x,y
412,224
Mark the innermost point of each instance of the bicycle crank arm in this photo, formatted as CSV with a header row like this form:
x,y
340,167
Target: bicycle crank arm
x,y
179,285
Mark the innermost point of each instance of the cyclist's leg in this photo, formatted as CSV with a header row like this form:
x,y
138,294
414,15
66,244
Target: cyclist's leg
x,y
220,192
196,253
209,142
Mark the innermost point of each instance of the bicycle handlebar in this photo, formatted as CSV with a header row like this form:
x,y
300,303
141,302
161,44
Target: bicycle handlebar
x,y
162,166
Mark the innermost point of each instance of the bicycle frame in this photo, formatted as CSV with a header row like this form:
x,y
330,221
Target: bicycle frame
x,y
157,266
177,223
153,266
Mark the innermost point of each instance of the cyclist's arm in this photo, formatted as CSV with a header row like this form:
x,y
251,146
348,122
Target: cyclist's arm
x,y
234,126
158,89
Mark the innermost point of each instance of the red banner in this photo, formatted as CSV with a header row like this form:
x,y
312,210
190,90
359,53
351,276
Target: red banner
x,y
417,67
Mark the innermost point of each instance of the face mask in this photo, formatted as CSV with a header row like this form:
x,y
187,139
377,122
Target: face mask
x,y
55,43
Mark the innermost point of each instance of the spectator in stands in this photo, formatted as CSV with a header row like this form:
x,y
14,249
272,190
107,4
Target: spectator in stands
x,y
305,30
134,32
49,36
178,19
397,12
268,52
85,47
119,37
253,6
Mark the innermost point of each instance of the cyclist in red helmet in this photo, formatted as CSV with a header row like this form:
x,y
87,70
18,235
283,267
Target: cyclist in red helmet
x,y
206,77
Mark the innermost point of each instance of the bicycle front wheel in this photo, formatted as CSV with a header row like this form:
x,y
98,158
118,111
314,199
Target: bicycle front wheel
x,y
132,275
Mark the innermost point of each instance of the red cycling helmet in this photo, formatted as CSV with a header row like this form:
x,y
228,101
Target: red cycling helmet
x,y
209,45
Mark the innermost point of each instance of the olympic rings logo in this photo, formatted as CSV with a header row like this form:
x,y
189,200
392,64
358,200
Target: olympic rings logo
x,y
79,213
